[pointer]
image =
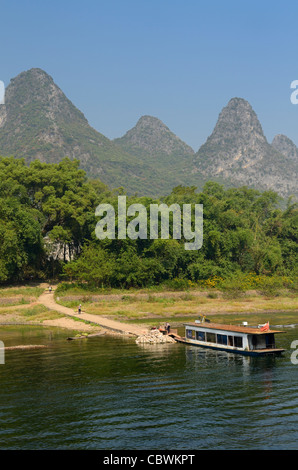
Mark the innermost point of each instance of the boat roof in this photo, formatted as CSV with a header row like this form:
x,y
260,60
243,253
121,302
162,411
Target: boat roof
x,y
234,328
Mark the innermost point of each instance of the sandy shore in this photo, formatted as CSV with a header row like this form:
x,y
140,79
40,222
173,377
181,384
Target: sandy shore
x,y
71,324
114,313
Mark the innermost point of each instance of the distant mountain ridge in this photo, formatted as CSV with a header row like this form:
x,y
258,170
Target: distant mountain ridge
x,y
152,137
286,147
156,145
39,121
238,152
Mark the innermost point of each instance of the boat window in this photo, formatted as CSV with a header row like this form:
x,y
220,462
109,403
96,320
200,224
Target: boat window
x,y
270,343
211,337
201,336
238,342
231,340
222,339
191,334
254,341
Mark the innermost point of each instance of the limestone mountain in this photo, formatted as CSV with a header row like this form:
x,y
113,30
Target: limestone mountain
x,y
39,122
286,147
151,137
155,144
237,152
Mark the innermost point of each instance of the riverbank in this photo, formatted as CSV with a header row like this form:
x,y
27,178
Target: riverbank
x,y
47,299
134,312
41,309
152,308
21,306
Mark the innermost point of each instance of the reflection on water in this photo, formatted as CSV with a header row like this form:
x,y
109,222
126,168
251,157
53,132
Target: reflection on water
x,y
109,393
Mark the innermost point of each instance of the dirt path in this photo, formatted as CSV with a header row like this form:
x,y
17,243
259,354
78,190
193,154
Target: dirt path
x,y
47,299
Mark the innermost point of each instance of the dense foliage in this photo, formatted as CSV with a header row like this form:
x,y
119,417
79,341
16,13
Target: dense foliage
x,y
48,221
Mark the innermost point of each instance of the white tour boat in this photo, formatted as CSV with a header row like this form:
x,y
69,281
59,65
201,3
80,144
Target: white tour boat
x,y
237,339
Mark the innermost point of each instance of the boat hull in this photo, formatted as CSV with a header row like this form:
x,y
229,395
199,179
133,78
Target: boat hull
x,y
245,352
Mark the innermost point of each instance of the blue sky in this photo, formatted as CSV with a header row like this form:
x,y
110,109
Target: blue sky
x,y
180,61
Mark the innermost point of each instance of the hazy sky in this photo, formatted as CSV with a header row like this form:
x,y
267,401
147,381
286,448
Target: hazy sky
x,y
180,61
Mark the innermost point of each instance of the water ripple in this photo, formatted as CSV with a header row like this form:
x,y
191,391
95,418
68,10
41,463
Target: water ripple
x,y
109,393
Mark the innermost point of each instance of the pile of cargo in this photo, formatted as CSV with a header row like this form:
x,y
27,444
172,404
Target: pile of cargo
x,y
154,337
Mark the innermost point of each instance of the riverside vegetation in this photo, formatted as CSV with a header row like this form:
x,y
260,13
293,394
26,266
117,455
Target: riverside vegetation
x,y
48,221
248,262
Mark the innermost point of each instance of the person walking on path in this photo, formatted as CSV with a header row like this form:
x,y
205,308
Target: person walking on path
x,y
79,309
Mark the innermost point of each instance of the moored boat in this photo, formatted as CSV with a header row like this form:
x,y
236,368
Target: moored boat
x,y
232,338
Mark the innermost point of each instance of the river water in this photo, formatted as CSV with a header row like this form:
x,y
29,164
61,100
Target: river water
x,y
110,393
